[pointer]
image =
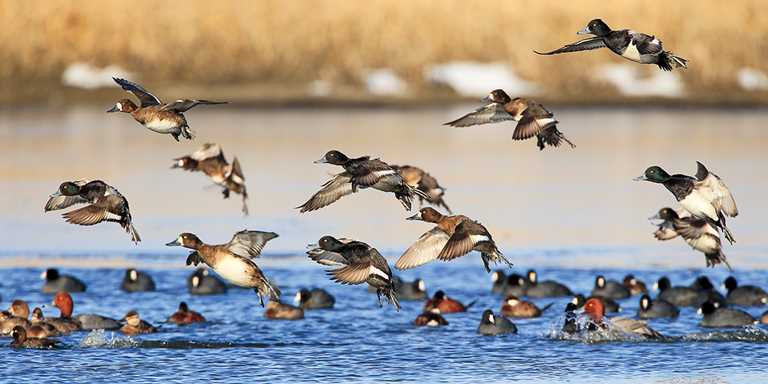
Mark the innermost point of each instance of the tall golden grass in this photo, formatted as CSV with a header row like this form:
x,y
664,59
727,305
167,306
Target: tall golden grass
x,y
337,40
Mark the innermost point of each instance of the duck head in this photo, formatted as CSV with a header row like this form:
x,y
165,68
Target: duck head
x,y
665,214
131,274
185,162
488,317
420,285
427,214
124,105
662,284
595,27
438,296
654,174
702,283
19,308
708,308
645,302
19,334
497,276
329,243
69,188
731,283
333,157
497,96
37,315
132,318
302,296
595,308
50,274
63,301
578,300
183,308
186,240
512,300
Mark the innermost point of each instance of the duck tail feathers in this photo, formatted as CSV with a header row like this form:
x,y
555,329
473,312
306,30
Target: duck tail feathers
x,y
668,61
713,259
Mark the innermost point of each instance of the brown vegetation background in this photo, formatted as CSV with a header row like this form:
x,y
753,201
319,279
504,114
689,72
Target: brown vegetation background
x,y
293,42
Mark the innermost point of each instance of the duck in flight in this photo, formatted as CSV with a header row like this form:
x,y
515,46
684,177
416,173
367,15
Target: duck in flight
x,y
698,233
631,45
531,117
153,114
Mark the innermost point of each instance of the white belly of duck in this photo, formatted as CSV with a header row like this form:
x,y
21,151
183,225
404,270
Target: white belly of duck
x,y
631,53
706,243
162,125
236,271
699,206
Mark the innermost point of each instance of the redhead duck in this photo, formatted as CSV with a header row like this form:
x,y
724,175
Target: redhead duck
x,y
234,260
635,286
423,181
55,282
137,281
716,317
531,117
610,305
357,263
279,311
412,290
20,340
698,233
596,311
492,325
631,45
548,288
445,304
106,204
514,307
361,172
64,323
185,316
430,318
452,237
134,325
610,289
744,295
87,322
679,296
654,309
165,118
705,196
317,298
201,282
210,160
39,328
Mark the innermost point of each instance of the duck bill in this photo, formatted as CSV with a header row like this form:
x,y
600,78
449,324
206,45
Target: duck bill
x,y
174,243
640,178
320,161
417,216
113,109
486,99
584,31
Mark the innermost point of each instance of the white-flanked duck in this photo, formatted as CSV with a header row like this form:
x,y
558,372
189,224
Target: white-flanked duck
x,y
705,196
631,45
357,263
106,204
210,160
698,233
165,118
596,311
233,260
531,117
360,173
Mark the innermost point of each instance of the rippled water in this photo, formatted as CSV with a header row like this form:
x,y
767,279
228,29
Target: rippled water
x,y
570,213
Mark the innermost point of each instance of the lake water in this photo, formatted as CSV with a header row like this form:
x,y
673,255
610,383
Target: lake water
x,y
571,214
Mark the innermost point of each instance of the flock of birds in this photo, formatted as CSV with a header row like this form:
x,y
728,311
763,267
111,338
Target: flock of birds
x,y
705,200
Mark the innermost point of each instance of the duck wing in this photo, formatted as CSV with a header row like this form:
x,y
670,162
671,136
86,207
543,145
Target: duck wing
x,y
236,172
424,250
249,244
581,45
491,113
145,98
88,215
637,327
207,151
332,190
666,231
715,189
467,234
535,119
646,44
183,105
328,258
692,228
369,172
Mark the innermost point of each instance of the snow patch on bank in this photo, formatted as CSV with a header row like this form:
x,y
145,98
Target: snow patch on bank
x,y
477,79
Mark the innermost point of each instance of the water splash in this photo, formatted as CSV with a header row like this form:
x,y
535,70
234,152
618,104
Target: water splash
x,y
99,339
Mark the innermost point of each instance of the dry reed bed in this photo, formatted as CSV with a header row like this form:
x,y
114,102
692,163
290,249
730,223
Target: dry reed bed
x,y
337,40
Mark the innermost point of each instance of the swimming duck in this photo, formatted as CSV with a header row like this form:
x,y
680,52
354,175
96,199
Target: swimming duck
x,y
515,285
698,233
679,296
54,282
610,305
445,304
185,316
596,311
39,328
210,160
64,323
426,183
360,173
276,310
137,281
317,298
702,284
492,325
498,278
531,117
705,196
716,317
452,237
166,118
16,315
201,282
412,290
570,323
357,263
610,289
20,340
548,288
105,204
233,260
745,295
635,286
654,309
87,322
631,45
514,307
430,318
134,325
